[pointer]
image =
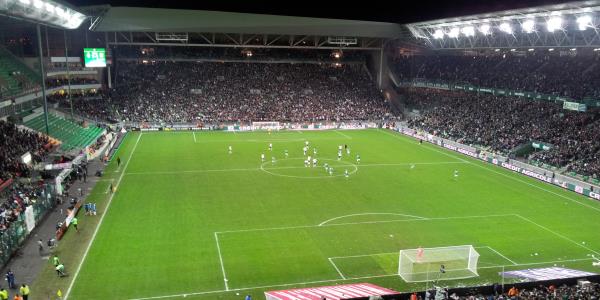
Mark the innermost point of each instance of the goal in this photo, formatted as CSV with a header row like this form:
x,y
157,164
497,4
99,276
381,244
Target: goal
x,y
265,126
442,263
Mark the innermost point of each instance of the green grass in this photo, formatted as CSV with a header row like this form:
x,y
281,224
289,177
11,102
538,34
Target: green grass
x,y
182,192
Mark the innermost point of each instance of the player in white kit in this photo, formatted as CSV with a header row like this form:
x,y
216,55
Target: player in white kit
x,y
270,147
262,157
230,150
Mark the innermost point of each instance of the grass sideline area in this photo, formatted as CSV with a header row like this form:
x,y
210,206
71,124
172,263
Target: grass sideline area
x,y
190,220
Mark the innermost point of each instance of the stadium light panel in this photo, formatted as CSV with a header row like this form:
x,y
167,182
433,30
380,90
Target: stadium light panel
x,y
573,49
584,22
485,29
468,31
49,8
528,26
505,27
453,33
554,23
551,49
530,49
497,50
38,4
438,34
25,2
513,50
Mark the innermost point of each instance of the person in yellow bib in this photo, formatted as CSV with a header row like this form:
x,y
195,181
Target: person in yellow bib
x,y
3,294
75,222
24,291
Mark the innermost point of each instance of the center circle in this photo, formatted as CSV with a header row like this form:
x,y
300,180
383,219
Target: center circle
x,y
310,172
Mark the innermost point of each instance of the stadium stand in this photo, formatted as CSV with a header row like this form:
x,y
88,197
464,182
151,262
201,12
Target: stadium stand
x,y
503,123
241,92
15,77
71,134
15,142
577,77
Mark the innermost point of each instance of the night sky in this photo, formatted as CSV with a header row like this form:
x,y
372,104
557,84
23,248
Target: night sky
x,y
371,10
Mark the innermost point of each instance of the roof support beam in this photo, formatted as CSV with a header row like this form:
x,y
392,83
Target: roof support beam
x,y
248,46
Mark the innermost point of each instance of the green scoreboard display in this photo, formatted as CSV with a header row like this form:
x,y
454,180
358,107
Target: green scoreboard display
x,y
94,57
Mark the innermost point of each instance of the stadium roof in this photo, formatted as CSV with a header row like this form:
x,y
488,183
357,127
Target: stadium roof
x,y
136,19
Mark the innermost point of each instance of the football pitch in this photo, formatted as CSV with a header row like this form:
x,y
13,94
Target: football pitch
x,y
191,220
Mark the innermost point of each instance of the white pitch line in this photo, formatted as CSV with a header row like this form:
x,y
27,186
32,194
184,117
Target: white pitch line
x,y
334,280
285,168
367,222
557,234
337,269
343,134
194,134
503,174
366,214
502,255
87,249
221,260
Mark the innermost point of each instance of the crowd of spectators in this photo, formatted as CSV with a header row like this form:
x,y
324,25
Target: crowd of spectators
x,y
14,201
541,292
503,123
240,92
15,142
576,76
56,82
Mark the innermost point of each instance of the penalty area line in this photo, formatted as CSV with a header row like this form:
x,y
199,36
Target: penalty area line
x,y
336,280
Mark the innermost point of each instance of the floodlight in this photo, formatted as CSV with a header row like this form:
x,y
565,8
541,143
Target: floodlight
x,y
513,50
497,50
530,49
573,49
505,27
438,34
528,26
485,29
38,4
468,31
453,33
584,22
49,8
554,23
26,2
551,49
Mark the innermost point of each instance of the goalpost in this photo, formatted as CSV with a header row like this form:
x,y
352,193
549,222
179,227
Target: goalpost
x,y
442,263
265,126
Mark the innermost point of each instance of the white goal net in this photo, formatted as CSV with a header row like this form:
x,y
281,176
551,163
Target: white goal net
x,y
265,126
442,263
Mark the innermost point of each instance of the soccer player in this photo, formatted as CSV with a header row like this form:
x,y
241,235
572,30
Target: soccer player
x,y
314,162
306,144
309,160
326,167
339,154
420,253
412,166
262,157
347,151
230,149
305,149
358,158
455,174
286,153
315,151
272,159
346,174
306,163
270,146
330,171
